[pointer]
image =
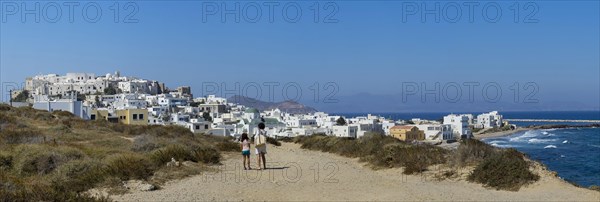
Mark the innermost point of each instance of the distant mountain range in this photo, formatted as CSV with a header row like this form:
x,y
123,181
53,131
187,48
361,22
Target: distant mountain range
x,y
382,103
285,106
374,103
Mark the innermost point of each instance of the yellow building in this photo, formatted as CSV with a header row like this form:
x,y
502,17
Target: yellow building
x,y
124,116
407,133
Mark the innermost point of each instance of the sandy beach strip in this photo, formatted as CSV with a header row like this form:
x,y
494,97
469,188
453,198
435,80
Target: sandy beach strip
x,y
501,133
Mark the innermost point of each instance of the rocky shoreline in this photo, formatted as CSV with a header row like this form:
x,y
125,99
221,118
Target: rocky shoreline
x,y
542,127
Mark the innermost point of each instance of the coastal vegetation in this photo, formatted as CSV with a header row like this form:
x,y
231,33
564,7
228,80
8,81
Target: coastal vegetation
x,y
58,157
497,129
502,169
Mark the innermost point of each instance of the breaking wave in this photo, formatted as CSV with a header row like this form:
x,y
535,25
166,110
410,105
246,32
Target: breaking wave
x,y
535,140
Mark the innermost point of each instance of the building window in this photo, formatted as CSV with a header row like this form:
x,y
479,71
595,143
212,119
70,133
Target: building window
x,y
141,116
135,116
197,127
206,127
93,117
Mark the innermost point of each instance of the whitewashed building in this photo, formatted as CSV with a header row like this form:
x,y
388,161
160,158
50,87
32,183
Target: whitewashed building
x,y
69,105
459,124
436,131
345,131
489,120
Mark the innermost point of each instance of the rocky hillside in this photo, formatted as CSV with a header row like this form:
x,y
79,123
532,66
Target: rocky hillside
x,y
285,106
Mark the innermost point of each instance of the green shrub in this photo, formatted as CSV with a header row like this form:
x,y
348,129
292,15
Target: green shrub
x,y
506,170
129,166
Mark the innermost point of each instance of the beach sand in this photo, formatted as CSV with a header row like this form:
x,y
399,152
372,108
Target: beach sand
x,y
303,175
501,133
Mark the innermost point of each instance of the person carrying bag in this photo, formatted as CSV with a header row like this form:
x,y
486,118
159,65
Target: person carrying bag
x,y
260,145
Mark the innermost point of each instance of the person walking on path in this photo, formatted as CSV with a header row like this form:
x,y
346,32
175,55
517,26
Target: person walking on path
x,y
260,146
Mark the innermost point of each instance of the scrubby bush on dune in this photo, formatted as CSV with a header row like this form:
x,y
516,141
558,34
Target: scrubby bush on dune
x,y
145,143
228,146
129,166
498,168
21,136
37,189
57,156
414,158
222,143
178,152
25,112
273,141
78,175
471,152
4,119
206,154
62,114
378,150
43,116
42,159
286,139
6,161
169,131
4,107
505,170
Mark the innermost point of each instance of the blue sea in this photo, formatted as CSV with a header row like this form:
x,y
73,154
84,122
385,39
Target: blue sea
x,y
573,153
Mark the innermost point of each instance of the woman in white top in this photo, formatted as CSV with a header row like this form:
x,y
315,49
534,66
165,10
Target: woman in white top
x,y
260,145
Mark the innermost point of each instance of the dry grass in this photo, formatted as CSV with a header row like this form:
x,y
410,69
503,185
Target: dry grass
x,y
378,150
57,156
496,168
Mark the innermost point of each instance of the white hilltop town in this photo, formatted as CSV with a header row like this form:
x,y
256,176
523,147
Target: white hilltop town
x,y
130,100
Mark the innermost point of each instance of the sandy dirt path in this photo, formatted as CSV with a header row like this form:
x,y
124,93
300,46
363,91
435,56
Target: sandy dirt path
x,y
302,175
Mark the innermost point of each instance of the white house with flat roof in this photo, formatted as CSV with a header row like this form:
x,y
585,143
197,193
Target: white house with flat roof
x,y
459,124
345,131
69,105
436,131
489,120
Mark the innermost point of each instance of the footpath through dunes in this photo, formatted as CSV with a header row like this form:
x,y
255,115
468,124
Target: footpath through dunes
x,y
302,175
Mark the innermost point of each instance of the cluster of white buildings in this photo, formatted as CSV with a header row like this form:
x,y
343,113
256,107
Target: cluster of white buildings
x,y
144,102
461,124
88,83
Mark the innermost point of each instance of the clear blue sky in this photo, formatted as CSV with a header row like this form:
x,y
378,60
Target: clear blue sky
x,y
369,50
